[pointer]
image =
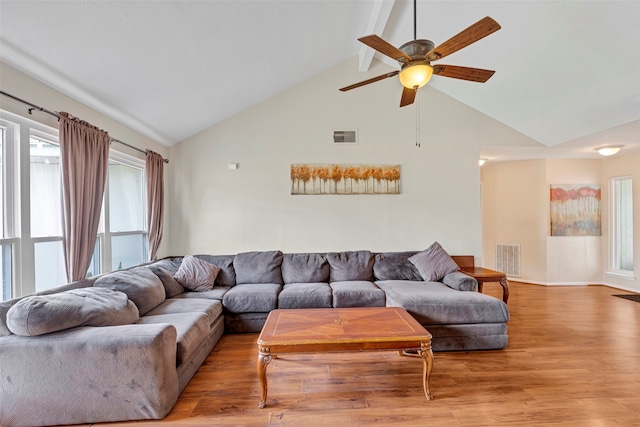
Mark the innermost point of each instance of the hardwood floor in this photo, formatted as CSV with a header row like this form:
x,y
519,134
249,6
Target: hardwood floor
x,y
573,359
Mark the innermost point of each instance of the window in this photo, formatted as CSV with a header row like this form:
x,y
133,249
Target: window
x,y
45,207
31,254
45,195
622,224
8,210
124,235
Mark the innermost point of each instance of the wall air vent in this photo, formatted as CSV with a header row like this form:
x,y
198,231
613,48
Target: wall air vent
x,y
345,137
508,258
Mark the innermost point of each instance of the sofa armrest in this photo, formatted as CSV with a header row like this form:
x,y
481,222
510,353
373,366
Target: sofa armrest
x,y
88,375
460,281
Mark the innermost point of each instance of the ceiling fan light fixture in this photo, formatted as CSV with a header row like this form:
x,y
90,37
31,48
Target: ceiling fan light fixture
x,y
608,150
416,75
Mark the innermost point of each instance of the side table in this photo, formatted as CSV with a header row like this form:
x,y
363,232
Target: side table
x,y
483,275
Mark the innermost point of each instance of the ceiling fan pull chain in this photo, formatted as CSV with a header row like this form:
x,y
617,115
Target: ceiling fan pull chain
x,y
418,122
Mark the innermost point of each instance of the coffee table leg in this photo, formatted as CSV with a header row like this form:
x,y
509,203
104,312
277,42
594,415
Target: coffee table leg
x,y
264,357
427,358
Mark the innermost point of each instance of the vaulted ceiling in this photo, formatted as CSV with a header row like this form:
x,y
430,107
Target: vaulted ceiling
x,y
567,72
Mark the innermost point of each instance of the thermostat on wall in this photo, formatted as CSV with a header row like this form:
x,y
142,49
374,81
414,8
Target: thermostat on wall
x,y
233,166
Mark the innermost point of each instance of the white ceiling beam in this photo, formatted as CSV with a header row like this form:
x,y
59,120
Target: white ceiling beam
x,y
377,21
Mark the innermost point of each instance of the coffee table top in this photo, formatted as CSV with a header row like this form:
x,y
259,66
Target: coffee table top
x,y
326,329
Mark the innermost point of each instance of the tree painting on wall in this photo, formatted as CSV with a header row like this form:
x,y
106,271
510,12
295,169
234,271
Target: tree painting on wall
x,y
345,179
575,210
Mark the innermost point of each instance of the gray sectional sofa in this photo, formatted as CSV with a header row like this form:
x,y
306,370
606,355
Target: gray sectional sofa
x,y
92,373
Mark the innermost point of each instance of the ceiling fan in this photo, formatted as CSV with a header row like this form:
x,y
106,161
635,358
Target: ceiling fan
x,y
415,58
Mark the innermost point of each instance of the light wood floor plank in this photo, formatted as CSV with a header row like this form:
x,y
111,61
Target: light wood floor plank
x,y
573,360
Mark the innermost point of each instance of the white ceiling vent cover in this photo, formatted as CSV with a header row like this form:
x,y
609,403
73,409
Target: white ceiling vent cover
x,y
508,258
345,137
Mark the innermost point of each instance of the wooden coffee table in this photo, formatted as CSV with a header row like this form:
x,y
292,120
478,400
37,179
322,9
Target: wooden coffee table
x,y
342,330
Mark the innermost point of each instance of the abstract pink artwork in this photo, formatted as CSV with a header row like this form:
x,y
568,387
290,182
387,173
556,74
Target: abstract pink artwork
x,y
575,210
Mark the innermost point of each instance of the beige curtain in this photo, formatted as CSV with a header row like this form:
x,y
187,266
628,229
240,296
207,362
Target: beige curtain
x,y
84,153
155,201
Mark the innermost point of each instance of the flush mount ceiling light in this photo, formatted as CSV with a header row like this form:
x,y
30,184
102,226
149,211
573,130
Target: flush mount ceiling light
x,y
608,150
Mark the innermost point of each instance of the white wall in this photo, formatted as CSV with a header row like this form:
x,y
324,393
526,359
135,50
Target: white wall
x,y
573,260
516,210
23,86
216,210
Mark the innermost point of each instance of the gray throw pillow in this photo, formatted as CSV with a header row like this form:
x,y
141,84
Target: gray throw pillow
x,y
434,263
140,284
42,314
196,274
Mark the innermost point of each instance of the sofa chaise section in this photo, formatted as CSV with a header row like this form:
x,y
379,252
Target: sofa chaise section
x,y
94,374
88,374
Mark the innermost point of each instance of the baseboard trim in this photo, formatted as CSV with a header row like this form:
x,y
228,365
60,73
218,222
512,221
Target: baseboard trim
x,y
609,285
534,282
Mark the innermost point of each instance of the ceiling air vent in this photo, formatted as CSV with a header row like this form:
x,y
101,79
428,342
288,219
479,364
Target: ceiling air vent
x,y
345,137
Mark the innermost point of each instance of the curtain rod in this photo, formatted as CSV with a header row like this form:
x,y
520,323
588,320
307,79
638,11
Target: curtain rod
x,y
56,115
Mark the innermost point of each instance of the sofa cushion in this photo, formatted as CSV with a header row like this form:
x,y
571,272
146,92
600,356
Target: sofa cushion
x,y
216,293
252,297
192,329
140,284
357,293
395,266
305,268
434,263
196,274
212,308
165,269
434,303
41,314
258,267
351,265
227,274
305,295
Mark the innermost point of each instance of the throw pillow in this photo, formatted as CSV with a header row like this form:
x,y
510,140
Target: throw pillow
x,y
42,314
434,263
196,274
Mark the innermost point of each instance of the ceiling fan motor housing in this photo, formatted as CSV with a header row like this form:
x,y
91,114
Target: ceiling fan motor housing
x,y
417,49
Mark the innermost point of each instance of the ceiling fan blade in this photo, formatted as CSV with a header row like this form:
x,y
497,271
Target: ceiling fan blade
x,y
385,48
464,73
372,80
477,31
408,96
